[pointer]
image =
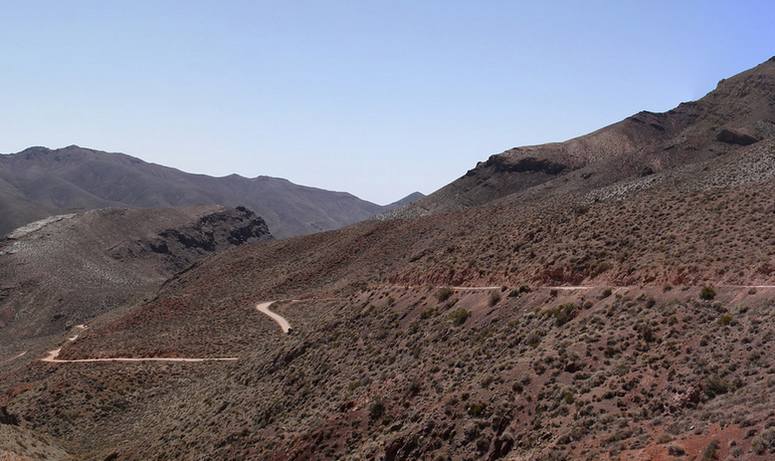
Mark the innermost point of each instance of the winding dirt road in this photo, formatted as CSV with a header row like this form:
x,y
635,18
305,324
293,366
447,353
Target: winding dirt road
x,y
592,287
17,356
52,356
264,309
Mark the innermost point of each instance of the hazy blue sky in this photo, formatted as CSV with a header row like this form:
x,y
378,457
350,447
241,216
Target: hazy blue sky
x,y
376,98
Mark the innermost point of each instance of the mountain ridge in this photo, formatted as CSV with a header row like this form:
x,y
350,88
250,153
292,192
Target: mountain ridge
x,y
740,109
38,181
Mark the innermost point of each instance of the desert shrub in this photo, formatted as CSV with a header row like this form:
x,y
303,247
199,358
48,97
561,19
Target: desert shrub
x,y
646,332
562,314
376,409
600,268
714,386
606,293
413,388
711,451
518,291
476,410
494,299
8,418
725,320
443,294
427,313
707,293
459,316
533,339
764,443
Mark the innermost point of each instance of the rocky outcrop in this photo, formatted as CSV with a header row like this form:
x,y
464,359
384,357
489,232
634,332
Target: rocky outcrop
x,y
229,227
525,165
7,418
739,137
180,246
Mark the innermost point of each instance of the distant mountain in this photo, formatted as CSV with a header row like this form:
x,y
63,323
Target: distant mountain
x,y
40,182
408,200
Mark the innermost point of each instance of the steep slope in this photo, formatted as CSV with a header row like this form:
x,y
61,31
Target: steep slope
x,y
635,369
711,222
38,182
740,111
19,444
65,270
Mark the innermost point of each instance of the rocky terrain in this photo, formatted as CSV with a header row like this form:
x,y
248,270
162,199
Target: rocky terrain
x,y
66,270
610,297
40,182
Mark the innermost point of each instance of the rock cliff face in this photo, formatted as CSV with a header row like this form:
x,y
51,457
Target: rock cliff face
x,y
211,233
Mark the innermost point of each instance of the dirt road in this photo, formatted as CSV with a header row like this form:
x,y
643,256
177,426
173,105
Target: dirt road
x,y
264,309
52,356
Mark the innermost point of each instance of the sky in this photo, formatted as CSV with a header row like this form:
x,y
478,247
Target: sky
x,y
377,98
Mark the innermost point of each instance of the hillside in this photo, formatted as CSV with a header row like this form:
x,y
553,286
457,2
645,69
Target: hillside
x,y
40,182
739,111
607,298
66,270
